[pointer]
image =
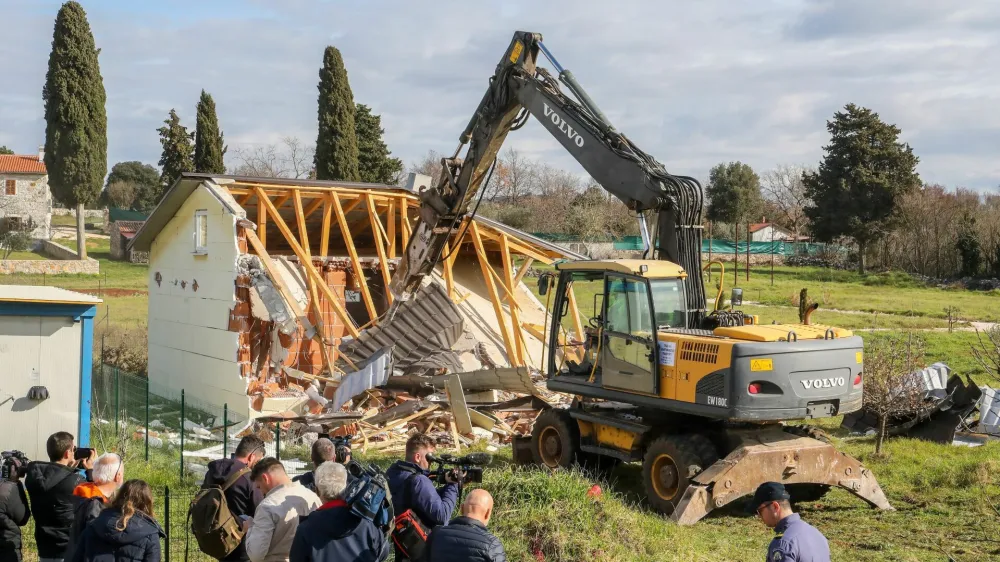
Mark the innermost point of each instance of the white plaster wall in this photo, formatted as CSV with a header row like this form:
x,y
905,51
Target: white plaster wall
x,y
190,345
38,351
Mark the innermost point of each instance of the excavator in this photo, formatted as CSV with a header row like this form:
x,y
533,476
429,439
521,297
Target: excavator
x,y
700,397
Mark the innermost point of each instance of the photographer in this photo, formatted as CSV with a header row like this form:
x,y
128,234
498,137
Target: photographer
x,y
50,486
412,489
14,511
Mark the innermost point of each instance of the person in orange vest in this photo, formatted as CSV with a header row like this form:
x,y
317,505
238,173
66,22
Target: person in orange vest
x,y
108,475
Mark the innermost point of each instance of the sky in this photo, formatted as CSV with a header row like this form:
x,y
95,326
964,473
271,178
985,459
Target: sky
x,y
691,83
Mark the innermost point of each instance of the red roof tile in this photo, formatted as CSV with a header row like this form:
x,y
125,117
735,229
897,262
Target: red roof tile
x,y
759,226
21,164
129,227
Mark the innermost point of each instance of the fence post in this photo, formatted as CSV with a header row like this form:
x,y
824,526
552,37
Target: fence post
x,y
117,399
225,430
277,440
147,417
182,434
166,523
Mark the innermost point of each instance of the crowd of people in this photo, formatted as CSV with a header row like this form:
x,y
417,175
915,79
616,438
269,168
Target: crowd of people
x,y
86,511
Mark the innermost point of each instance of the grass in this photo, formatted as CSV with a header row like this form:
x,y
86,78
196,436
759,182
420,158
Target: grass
x,y
70,220
27,256
944,498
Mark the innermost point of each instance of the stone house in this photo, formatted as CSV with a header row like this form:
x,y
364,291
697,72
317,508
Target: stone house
x,y
24,191
121,226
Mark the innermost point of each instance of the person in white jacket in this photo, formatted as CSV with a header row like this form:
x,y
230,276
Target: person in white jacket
x,y
270,532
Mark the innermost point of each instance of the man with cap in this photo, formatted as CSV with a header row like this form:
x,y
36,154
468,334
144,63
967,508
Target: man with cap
x,y
794,540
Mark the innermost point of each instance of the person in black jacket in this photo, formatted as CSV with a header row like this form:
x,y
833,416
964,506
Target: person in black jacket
x,y
466,537
124,532
242,497
108,475
322,450
14,514
332,533
50,487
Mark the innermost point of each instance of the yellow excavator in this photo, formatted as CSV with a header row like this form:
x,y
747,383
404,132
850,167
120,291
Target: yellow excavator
x,y
701,397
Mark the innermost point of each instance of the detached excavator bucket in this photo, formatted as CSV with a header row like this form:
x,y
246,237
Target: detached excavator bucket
x,y
775,455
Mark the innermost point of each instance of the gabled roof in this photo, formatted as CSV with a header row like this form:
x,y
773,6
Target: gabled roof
x,y
763,225
21,164
50,295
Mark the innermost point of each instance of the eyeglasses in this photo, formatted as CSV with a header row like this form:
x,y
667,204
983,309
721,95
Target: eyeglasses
x,y
761,508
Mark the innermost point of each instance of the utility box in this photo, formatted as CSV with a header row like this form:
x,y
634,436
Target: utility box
x,y
46,358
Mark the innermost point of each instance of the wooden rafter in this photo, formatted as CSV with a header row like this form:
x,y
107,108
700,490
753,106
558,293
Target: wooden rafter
x,y
404,221
308,266
300,218
518,247
320,189
392,227
447,267
515,319
324,242
484,264
246,198
524,269
359,273
574,311
379,246
262,223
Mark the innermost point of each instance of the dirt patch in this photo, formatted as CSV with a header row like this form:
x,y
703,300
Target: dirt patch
x,y
113,292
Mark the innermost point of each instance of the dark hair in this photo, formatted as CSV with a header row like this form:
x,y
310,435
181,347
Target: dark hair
x,y
343,452
57,445
135,496
418,442
248,446
322,451
265,465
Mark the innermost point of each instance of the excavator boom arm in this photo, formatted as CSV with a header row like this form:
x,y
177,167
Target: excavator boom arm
x,y
520,88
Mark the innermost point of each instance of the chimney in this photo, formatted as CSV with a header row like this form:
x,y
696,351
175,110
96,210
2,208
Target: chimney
x,y
417,182
41,153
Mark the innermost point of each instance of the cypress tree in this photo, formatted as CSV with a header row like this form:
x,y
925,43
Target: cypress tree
x,y
375,165
336,142
176,157
208,148
76,124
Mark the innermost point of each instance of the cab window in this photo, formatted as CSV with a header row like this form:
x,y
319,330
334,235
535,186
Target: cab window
x,y
669,302
628,310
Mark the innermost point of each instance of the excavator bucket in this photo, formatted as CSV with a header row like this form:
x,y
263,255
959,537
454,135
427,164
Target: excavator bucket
x,y
775,455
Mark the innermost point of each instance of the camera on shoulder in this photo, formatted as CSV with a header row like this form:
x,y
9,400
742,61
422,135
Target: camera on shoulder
x,y
460,470
13,463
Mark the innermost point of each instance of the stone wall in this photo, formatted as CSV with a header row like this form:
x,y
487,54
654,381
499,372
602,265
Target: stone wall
x,y
49,267
87,213
58,251
32,199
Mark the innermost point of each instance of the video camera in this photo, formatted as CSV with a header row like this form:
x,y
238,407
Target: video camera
x,y
342,447
368,495
13,462
471,464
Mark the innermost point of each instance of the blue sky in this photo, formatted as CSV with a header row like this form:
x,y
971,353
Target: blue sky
x,y
692,83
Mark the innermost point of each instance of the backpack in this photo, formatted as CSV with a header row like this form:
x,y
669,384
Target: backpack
x,y
409,533
217,530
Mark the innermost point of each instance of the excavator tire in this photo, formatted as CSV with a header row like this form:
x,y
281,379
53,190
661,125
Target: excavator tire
x,y
670,462
555,439
804,493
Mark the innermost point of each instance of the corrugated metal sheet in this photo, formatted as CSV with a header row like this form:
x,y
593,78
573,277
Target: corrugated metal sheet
x,y
989,411
420,335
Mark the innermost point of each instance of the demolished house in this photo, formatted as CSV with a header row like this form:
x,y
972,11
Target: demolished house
x,y
266,295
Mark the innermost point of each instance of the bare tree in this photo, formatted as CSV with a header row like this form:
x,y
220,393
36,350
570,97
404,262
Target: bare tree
x,y
891,390
987,352
290,158
514,178
121,194
784,189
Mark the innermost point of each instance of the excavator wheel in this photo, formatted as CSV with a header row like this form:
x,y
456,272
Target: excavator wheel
x,y
671,461
807,492
554,439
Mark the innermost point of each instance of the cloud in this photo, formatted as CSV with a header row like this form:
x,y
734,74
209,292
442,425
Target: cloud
x,y
692,84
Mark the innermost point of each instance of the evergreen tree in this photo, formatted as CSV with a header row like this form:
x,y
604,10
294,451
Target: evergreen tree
x,y
336,143
375,165
144,177
176,157
862,179
734,193
76,124
969,248
5,150
208,147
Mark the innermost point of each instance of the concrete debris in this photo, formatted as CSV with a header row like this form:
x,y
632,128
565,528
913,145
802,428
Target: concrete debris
x,y
272,306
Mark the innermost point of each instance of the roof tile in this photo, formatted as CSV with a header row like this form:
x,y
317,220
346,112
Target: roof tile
x,y
21,164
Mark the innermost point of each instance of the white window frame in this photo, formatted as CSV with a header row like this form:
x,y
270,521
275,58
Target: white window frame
x,y
201,215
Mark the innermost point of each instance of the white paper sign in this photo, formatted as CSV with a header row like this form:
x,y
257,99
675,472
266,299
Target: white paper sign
x,y
668,350
352,296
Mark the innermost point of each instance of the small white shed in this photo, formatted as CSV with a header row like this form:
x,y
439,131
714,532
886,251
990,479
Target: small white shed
x,y
46,358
